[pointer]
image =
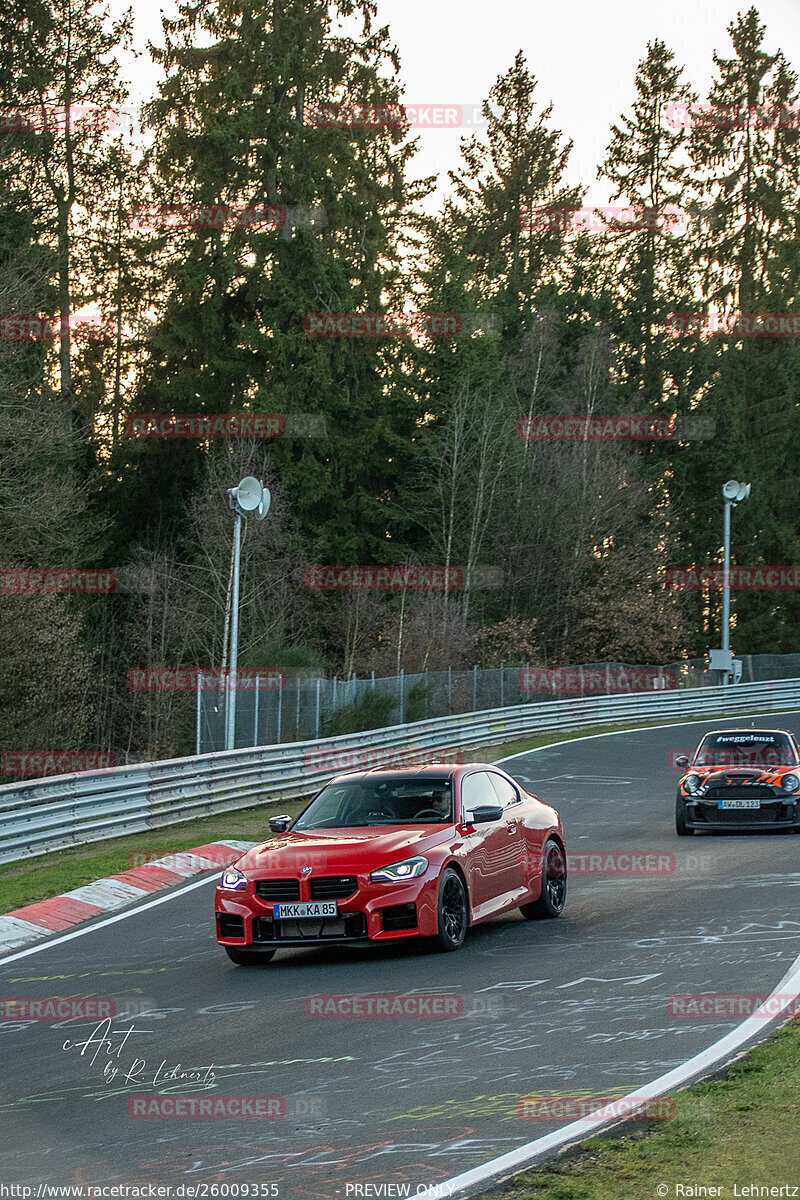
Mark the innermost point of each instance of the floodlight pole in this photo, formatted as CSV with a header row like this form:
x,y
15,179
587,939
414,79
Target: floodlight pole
x,y
230,714
732,493
249,497
726,579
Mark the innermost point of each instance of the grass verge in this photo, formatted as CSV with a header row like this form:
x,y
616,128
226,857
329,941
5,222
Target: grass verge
x,y
734,1131
32,879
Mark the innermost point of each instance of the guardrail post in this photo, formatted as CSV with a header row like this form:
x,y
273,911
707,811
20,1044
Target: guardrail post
x,y
474,686
402,698
316,725
280,710
501,684
255,715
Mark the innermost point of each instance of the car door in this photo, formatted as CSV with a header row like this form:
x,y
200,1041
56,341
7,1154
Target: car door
x,y
495,851
515,820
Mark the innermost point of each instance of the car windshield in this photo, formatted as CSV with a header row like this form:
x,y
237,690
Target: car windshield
x,y
745,750
382,800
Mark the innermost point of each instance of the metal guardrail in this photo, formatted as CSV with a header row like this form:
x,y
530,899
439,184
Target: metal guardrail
x,y
70,810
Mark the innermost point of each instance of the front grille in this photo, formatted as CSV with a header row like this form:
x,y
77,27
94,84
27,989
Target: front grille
x,y
278,889
742,816
333,887
397,917
333,929
230,925
740,793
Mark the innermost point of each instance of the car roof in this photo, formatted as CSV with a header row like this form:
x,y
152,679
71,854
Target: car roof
x,y
425,771
747,732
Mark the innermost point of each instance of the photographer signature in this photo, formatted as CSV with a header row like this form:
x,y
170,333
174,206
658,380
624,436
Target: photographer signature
x,y
108,1044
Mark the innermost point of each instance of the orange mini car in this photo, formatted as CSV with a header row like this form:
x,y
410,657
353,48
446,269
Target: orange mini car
x,y
740,779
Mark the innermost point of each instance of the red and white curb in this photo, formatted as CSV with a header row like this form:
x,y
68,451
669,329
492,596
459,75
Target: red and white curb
x,y
35,921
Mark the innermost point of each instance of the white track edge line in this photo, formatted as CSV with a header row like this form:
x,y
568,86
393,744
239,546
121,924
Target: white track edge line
x,y
131,912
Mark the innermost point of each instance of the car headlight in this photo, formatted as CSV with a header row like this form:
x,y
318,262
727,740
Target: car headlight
x,y
790,783
692,784
409,868
232,879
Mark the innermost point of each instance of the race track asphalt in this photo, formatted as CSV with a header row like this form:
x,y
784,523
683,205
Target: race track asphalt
x,y
573,1007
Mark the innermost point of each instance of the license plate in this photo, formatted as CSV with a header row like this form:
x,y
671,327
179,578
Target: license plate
x,y
313,908
748,803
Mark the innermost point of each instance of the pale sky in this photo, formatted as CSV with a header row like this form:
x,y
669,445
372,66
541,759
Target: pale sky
x,y
584,54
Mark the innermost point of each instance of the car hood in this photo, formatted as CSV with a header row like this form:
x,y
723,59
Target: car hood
x,y
339,850
738,776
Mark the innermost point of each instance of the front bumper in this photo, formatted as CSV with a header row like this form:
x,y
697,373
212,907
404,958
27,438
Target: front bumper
x,y
374,913
776,812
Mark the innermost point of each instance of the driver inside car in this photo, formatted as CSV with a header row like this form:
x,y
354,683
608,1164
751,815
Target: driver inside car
x,y
439,804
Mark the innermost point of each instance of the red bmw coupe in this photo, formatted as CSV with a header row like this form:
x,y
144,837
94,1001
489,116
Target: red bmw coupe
x,y
381,855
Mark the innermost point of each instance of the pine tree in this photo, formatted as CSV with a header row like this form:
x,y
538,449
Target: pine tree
x,y
62,93
746,159
237,124
503,184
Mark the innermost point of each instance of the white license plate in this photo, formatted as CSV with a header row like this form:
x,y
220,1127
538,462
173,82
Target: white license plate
x,y
313,908
748,803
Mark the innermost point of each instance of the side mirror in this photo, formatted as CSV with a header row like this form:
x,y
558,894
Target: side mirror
x,y
483,813
280,824
681,761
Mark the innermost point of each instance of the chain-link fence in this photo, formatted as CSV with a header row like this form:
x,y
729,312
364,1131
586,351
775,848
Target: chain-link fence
x,y
304,708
